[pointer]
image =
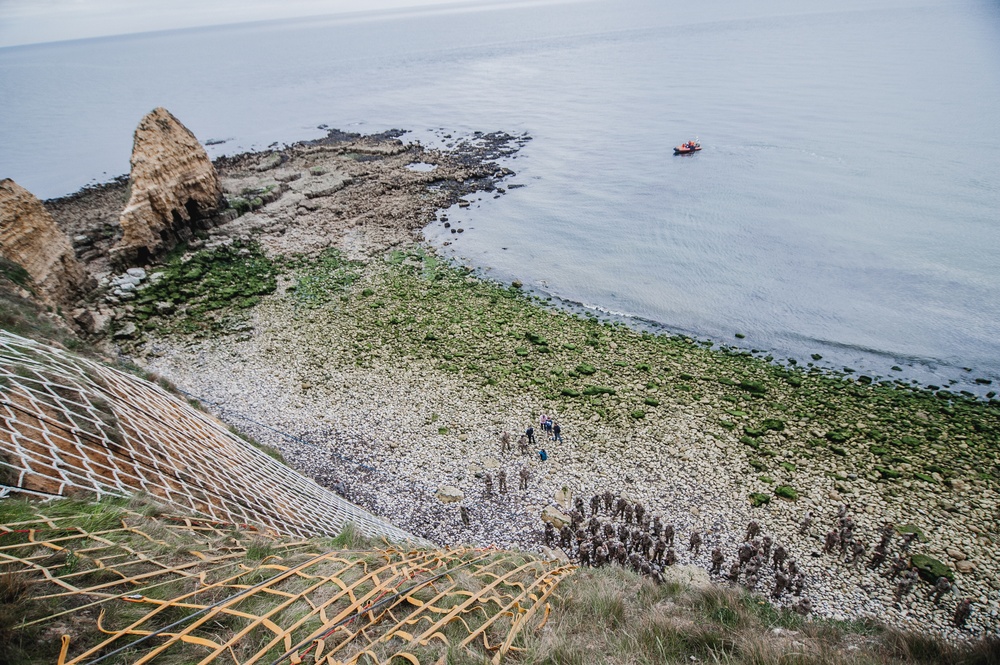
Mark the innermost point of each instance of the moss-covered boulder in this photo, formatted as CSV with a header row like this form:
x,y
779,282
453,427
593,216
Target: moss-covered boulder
x,y
535,338
773,424
758,499
753,387
786,492
837,436
930,569
903,529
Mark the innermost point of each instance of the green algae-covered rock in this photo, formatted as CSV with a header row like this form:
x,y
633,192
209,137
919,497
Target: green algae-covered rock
x,y
931,569
888,474
535,338
773,424
585,369
754,387
903,529
758,499
837,437
786,492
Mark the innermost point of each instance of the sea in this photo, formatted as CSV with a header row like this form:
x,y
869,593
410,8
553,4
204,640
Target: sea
x,y
846,202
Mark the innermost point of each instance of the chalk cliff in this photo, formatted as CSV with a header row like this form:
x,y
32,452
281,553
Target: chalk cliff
x,y
30,237
174,189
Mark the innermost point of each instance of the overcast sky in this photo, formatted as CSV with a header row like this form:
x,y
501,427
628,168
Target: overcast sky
x,y
34,21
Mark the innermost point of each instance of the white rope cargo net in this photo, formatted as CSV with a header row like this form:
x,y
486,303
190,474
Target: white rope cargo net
x,y
69,425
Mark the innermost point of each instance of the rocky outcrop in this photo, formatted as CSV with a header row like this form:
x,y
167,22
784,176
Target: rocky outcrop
x,y
30,238
174,190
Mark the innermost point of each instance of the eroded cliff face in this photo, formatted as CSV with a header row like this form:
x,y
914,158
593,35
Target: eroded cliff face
x,y
30,237
174,190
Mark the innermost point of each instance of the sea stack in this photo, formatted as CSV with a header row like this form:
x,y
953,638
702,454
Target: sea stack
x,y
30,238
174,187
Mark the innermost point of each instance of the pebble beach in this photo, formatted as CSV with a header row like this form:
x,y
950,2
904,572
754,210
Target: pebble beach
x,y
393,436
388,374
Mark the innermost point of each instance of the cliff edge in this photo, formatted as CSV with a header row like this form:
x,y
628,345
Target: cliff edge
x,y
30,238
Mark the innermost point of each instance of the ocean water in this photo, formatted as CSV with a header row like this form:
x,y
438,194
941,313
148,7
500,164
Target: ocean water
x,y
846,202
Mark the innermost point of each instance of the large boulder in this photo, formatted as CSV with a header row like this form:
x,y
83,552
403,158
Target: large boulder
x,y
30,238
930,569
555,517
449,494
175,190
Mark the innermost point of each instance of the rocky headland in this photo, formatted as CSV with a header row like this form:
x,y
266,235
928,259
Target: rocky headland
x,y
303,309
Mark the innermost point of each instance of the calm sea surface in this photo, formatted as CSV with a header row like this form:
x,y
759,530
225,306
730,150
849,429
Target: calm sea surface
x,y
847,201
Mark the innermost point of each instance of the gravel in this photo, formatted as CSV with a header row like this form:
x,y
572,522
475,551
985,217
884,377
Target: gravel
x,y
393,435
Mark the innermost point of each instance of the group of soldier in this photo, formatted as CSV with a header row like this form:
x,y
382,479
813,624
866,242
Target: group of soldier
x,y
500,484
524,475
754,555
841,540
524,442
627,535
619,531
